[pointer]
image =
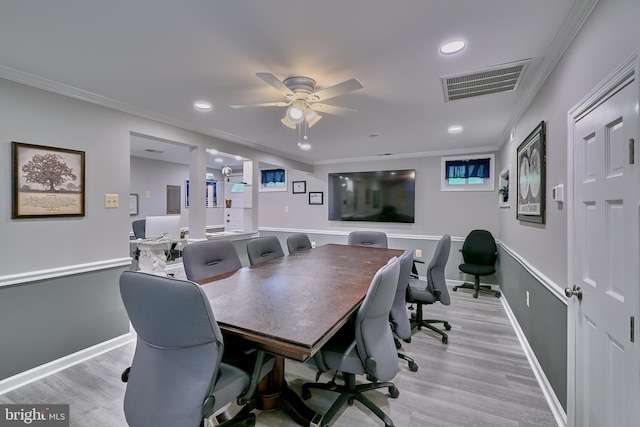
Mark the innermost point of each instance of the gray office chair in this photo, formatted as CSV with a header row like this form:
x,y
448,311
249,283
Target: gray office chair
x,y
177,377
263,249
480,253
399,317
433,290
298,242
376,239
364,347
209,258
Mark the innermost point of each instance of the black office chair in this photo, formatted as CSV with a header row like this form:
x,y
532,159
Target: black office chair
x,y
433,290
399,317
209,258
177,377
298,242
364,347
480,253
263,249
376,239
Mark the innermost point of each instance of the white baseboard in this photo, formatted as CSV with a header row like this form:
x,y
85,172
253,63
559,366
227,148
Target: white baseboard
x,y
554,404
57,365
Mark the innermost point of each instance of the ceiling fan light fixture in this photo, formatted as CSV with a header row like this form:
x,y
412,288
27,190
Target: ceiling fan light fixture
x,y
304,146
295,113
288,123
312,117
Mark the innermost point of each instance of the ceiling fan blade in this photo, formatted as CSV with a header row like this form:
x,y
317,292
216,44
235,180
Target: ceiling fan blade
x,y
277,84
330,109
264,104
335,90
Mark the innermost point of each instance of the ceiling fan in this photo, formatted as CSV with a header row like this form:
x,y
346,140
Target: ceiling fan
x,y
303,100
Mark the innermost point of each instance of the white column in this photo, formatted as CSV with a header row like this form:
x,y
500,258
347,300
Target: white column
x,y
197,189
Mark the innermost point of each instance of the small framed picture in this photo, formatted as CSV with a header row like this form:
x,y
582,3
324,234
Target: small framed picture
x,y
133,204
315,197
299,187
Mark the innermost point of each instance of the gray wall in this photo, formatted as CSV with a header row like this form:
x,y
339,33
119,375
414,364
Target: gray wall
x,y
59,277
154,176
437,213
610,36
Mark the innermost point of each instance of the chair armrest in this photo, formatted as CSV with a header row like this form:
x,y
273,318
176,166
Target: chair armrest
x,y
256,376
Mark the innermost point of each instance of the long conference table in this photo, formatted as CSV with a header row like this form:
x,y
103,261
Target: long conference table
x,y
292,306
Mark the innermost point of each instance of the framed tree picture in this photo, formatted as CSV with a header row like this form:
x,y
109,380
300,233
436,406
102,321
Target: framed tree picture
x,y
531,161
47,181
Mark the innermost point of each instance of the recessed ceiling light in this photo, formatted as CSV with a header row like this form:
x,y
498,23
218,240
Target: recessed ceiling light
x,y
452,47
455,129
202,106
304,146
238,157
219,160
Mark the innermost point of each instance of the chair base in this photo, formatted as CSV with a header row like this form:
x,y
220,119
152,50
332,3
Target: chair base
x,y
350,392
417,322
413,367
478,288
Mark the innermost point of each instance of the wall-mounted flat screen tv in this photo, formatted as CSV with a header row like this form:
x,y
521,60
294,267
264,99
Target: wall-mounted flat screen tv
x,y
377,196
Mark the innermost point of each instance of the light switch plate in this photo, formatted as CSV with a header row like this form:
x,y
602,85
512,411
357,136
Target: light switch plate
x,y
111,201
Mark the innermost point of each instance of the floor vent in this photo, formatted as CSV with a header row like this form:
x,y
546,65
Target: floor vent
x,y
501,78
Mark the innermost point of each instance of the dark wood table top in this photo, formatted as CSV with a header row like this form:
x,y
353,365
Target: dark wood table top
x,y
292,305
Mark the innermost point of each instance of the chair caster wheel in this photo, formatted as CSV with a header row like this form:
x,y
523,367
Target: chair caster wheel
x,y
350,401
125,375
306,394
447,326
413,367
445,340
398,345
475,295
394,392
455,288
498,294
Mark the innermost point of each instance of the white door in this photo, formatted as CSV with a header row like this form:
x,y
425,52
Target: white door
x,y
605,383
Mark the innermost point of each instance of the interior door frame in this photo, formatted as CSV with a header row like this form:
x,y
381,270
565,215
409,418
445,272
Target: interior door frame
x,y
626,72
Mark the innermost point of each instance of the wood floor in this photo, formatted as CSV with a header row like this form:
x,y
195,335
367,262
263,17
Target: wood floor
x,y
481,378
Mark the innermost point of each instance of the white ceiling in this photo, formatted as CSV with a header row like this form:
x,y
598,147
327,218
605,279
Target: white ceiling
x,y
156,57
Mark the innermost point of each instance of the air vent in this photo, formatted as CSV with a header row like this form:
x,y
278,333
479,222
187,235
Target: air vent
x,y
150,150
501,78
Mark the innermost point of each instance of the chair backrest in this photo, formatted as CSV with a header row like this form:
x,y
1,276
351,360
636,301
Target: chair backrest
x,y
139,227
480,248
178,350
263,249
399,313
376,239
374,339
435,270
209,258
298,242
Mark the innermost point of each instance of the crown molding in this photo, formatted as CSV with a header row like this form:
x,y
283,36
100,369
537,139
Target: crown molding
x,y
580,11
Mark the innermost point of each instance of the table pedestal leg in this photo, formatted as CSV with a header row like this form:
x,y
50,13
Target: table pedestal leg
x,y
273,392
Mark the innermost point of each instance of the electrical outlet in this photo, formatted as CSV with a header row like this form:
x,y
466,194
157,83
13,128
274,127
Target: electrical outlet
x,y
147,194
313,244
111,201
418,253
527,298
286,208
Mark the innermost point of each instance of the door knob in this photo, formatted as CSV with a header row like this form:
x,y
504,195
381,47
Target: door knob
x,y
575,292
